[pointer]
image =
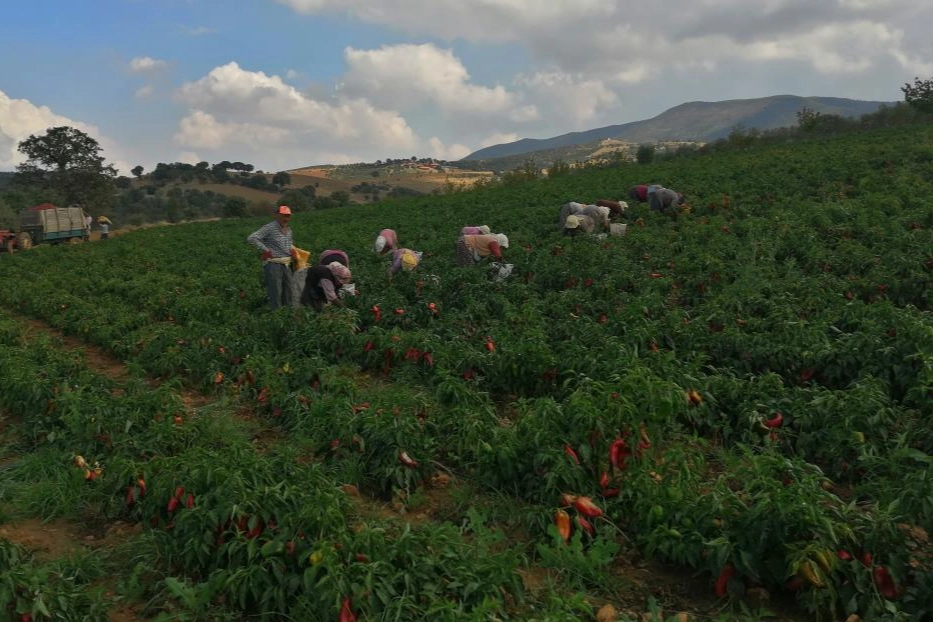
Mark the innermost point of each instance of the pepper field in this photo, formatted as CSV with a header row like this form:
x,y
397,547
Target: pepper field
x,y
740,397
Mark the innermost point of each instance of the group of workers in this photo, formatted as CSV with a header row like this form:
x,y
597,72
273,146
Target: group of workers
x,y
323,282
576,218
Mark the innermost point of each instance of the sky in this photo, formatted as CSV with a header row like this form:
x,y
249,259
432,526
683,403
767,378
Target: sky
x,y
283,84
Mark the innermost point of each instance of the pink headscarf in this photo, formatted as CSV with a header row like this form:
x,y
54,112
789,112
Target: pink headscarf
x,y
340,272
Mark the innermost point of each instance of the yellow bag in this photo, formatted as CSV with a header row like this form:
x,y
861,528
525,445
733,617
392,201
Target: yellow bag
x,y
302,260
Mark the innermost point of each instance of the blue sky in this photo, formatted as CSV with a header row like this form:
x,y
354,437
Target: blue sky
x,y
288,83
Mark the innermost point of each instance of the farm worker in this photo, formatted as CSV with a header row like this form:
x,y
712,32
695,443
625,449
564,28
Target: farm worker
x,y
332,255
472,248
322,283
617,208
385,242
274,241
480,230
104,229
661,199
88,221
638,193
579,223
597,213
404,259
568,209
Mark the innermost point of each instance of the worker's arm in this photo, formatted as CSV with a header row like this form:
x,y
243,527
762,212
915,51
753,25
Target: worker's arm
x,y
495,250
256,239
329,293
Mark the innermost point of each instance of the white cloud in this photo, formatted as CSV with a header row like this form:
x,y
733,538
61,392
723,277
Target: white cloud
x,y
188,157
645,41
573,98
406,76
235,110
143,64
499,138
144,92
20,118
477,20
437,149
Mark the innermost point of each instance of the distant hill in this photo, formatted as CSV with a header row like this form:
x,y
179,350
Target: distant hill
x,y
693,122
5,178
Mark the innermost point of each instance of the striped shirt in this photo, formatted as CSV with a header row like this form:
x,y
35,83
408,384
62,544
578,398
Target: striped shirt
x,y
272,237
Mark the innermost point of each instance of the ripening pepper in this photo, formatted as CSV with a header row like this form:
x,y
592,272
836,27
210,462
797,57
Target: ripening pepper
x,y
585,506
722,581
570,452
562,522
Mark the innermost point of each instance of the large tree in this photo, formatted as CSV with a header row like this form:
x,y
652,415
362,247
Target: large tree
x,y
919,95
66,166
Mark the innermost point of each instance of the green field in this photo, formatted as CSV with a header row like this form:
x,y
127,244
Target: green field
x,y
736,402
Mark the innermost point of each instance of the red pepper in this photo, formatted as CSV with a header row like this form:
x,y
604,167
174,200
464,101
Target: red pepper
x,y
585,506
369,345
142,487
376,312
775,421
256,531
562,522
130,495
400,311
885,583
586,526
567,499
722,581
433,308
604,480
406,460
570,452
619,453
865,559
490,344
172,505
346,611
179,492
844,555
608,493
429,359
189,502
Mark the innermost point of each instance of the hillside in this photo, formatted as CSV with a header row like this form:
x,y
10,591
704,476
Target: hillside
x,y
724,412
692,121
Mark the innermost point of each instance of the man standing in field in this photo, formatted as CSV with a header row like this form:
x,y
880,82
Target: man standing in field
x,y
274,241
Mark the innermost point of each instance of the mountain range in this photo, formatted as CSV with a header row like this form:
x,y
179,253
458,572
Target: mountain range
x,y
691,122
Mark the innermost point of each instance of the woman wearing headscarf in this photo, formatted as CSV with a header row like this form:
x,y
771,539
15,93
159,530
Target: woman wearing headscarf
x,y
472,248
577,224
617,208
332,255
404,259
569,209
386,241
322,284
480,230
598,213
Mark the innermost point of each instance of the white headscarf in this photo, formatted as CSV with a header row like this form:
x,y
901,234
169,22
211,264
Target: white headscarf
x,y
380,244
502,239
484,229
